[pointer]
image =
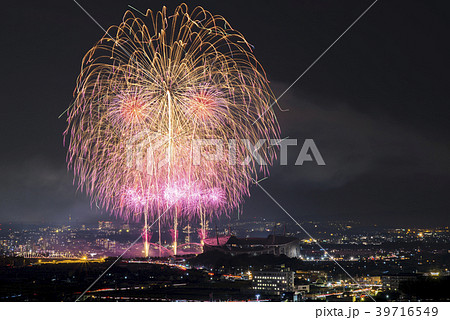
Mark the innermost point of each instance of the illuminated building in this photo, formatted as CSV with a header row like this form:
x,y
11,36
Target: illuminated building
x,y
105,225
273,282
106,243
305,288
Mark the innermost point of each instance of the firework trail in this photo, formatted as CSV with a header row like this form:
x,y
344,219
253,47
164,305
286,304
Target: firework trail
x,y
169,81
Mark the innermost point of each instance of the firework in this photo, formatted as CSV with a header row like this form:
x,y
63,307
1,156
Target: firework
x,y
169,81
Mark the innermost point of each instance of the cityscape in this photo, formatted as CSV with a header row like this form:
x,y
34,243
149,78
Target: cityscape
x,y
289,157
243,260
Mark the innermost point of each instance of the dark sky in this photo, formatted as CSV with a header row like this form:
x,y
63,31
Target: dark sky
x,y
377,105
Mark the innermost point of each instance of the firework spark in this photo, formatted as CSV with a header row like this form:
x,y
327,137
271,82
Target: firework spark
x,y
184,77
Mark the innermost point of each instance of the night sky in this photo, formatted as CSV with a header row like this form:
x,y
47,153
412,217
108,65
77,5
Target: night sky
x,y
376,105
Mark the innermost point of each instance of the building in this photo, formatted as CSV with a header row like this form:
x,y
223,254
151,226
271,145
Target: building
x,y
273,281
105,225
273,244
312,276
105,243
392,282
304,288
369,280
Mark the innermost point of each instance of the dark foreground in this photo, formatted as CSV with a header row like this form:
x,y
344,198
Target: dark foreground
x,y
212,277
